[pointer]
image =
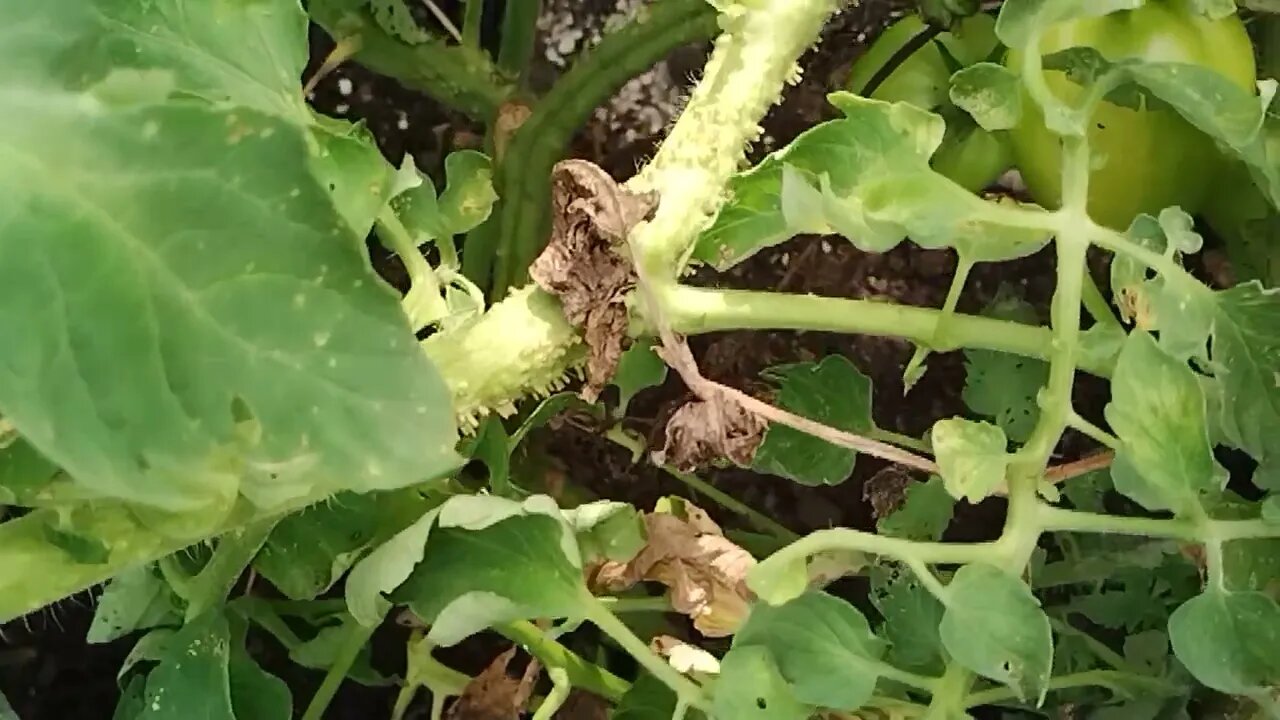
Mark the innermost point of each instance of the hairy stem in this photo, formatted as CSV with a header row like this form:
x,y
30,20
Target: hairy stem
x,y
519,35
516,233
460,76
1120,682
685,689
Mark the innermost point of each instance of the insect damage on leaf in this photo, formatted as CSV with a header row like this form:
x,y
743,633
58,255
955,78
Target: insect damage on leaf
x,y
591,215
495,695
702,432
690,555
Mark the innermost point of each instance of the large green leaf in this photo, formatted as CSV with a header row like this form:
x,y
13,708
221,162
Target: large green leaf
x,y
809,636
994,626
924,514
911,618
199,319
248,53
492,560
308,551
1157,410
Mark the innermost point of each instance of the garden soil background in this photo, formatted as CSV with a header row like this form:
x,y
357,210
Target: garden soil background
x,y
47,670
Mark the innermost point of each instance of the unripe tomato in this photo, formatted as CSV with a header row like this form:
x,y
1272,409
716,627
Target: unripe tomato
x,y
1145,160
969,156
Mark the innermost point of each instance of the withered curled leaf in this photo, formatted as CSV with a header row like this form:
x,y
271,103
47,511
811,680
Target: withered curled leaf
x,y
584,263
703,432
704,570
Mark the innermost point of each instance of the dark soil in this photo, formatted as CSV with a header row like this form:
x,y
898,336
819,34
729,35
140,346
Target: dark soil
x,y
48,671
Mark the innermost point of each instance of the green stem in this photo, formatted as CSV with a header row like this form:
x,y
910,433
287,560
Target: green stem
x,y
920,445
424,303
1119,682
949,696
523,178
459,76
909,679
1093,431
560,689
519,35
235,551
912,372
582,674
355,637
846,539
472,20
694,311
1096,304
758,519
685,689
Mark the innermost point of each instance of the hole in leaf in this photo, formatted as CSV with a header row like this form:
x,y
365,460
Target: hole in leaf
x,y
240,412
762,703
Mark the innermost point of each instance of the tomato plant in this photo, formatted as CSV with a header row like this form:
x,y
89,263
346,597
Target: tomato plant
x,y
202,378
1137,173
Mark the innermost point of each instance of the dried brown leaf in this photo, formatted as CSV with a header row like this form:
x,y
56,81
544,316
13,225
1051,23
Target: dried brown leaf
x,y
705,572
887,490
584,264
705,431
495,695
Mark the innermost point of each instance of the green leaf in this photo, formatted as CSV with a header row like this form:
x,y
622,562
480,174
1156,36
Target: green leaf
x,y
639,368
751,688
249,54
491,560
1157,410
776,582
466,202
924,514
809,636
1271,510
135,599
308,551
832,392
1180,309
204,670
1246,362
1214,9
607,530
911,618
149,648
1005,387
1228,640
971,457
24,472
6,710
267,358
384,569
867,177
347,161
994,626
990,93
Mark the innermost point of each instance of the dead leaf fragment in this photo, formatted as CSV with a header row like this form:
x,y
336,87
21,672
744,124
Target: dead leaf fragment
x,y
494,695
887,490
584,265
705,571
684,657
702,432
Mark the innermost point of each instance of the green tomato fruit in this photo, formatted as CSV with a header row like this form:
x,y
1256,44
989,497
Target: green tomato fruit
x,y
969,156
1147,160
